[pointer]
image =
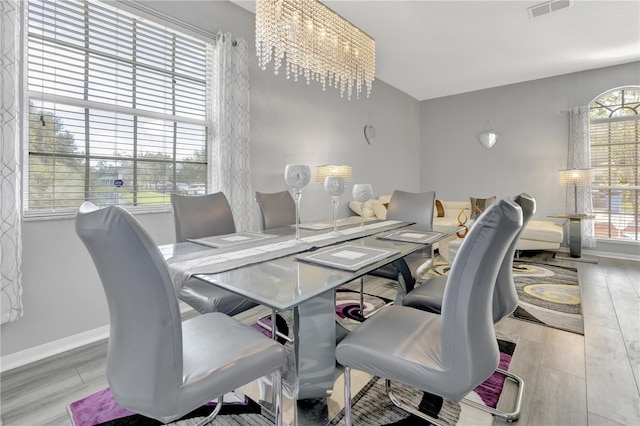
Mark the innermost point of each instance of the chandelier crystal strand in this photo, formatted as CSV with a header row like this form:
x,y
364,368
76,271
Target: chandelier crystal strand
x,y
315,43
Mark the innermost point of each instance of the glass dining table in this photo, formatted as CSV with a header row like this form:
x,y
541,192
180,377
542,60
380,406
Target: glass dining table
x,y
300,276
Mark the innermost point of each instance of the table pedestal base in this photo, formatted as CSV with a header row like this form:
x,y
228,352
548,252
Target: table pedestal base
x,y
575,237
314,334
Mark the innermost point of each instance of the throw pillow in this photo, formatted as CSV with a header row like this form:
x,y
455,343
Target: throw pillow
x,y
439,208
380,210
478,205
368,208
384,199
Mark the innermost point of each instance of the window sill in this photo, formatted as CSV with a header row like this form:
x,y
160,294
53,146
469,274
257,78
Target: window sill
x,y
71,214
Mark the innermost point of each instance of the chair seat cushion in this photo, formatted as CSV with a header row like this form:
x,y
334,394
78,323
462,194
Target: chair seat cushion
x,y
206,298
221,353
427,296
404,345
387,271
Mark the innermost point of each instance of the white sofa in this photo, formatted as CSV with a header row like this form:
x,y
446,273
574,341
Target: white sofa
x,y
538,235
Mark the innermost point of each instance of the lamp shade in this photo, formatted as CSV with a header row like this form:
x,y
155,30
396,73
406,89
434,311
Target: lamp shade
x,y
333,170
579,177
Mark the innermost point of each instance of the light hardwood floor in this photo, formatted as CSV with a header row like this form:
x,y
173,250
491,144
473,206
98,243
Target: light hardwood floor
x,y
570,379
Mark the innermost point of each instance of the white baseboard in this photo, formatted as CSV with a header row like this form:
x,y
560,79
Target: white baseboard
x,y
18,359
602,253
612,255
37,353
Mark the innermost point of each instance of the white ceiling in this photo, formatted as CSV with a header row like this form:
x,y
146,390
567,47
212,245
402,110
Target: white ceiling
x,y
430,49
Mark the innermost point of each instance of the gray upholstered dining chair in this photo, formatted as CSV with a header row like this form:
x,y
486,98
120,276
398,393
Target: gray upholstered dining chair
x,y
199,216
408,207
429,297
157,365
449,354
276,209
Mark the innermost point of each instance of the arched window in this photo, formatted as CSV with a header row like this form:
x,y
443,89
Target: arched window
x,y
614,119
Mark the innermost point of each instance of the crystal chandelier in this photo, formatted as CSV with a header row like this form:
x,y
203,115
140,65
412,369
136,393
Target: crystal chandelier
x,y
316,42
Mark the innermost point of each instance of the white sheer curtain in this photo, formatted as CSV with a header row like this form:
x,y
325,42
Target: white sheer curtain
x,y
10,200
580,158
229,169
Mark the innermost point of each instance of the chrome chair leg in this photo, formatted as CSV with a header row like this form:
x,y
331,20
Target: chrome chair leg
x,y
377,310
277,388
273,327
362,302
407,408
423,269
347,396
508,416
362,297
215,412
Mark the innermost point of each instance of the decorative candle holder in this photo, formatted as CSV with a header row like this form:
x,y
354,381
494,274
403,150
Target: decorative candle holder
x,y
462,220
361,192
335,186
297,176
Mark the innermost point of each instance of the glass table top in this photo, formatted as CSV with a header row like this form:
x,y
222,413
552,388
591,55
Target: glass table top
x,y
286,282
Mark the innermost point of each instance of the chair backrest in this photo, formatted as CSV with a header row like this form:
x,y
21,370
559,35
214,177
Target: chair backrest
x,y
276,209
505,299
144,358
468,340
412,207
199,216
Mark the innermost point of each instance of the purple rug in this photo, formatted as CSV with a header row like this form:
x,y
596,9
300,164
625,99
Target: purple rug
x,y
491,389
97,408
101,408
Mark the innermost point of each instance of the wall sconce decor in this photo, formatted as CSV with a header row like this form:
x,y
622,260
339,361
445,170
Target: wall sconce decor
x,y
488,137
369,131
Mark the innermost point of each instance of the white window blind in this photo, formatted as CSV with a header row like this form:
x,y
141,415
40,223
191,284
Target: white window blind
x,y
116,109
615,158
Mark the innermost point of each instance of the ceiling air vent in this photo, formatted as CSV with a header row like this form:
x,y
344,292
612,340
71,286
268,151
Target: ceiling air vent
x,y
548,7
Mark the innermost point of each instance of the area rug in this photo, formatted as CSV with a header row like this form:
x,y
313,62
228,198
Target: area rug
x,y
101,409
371,406
348,304
549,294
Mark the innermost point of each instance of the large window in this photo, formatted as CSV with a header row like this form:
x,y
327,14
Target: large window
x,y
117,111
615,158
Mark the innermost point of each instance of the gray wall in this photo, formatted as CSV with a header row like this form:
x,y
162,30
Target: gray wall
x,y
290,123
532,123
